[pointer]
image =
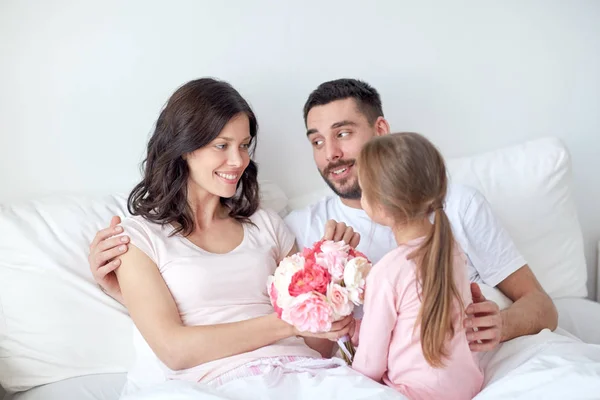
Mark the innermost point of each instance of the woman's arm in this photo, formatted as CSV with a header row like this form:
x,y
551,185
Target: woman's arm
x,y
155,314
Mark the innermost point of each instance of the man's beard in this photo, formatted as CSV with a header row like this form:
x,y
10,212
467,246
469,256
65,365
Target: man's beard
x,y
351,193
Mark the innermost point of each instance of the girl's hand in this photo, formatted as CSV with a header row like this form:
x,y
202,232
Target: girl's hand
x,y
338,330
483,322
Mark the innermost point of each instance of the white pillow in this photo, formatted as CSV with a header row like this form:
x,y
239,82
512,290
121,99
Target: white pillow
x,y
55,323
272,197
529,187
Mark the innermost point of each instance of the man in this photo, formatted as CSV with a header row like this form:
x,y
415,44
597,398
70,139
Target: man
x,y
340,117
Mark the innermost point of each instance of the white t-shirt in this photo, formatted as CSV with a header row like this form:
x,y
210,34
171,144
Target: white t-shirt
x,y
491,253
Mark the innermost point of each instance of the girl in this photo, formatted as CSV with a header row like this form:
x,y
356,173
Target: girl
x,y
411,336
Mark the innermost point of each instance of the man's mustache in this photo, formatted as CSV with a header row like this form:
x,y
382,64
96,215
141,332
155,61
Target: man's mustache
x,y
338,165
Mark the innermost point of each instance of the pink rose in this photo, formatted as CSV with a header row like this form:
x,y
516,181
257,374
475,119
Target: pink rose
x,y
309,312
334,261
331,246
355,253
309,252
311,277
273,295
339,300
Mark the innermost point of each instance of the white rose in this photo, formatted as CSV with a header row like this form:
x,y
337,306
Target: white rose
x,y
283,277
355,276
356,295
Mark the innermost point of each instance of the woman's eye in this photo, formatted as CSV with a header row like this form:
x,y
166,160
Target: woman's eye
x,y
245,146
221,146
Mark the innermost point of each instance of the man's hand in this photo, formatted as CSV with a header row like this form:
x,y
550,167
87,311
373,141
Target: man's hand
x,y
337,231
103,251
483,322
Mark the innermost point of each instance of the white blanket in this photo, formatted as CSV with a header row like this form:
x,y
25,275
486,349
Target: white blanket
x,y
549,365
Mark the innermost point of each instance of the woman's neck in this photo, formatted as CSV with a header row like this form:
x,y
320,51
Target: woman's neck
x,y
206,207
404,233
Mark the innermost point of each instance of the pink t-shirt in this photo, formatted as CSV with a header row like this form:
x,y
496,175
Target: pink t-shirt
x,y
213,288
389,348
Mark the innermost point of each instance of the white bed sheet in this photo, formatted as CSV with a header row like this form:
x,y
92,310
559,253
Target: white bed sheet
x,y
581,317
549,365
89,387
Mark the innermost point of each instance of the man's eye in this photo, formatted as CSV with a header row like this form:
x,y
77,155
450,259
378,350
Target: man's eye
x,y
317,143
343,134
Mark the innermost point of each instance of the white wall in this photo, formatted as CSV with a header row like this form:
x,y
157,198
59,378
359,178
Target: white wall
x,y
82,82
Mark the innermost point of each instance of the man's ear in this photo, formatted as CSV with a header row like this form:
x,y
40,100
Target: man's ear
x,y
382,127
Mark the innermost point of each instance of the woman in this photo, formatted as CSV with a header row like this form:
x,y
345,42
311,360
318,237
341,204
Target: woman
x,y
194,278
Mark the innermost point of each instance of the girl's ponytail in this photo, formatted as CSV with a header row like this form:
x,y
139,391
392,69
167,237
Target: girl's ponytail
x,y
438,290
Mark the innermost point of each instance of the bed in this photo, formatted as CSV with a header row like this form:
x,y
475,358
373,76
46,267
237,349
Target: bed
x,y
61,337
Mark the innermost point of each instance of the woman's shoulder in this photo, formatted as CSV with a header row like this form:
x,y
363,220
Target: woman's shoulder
x,y
142,225
137,221
269,227
266,217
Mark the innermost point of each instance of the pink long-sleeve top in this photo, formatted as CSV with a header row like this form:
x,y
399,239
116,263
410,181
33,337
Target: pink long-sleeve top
x,y
389,347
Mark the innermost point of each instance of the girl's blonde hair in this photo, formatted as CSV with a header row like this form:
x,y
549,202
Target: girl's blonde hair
x,y
404,174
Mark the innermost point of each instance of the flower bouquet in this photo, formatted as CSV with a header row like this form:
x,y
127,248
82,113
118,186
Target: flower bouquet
x,y
318,286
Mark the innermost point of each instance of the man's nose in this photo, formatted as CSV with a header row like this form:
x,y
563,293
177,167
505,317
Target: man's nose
x,y
333,151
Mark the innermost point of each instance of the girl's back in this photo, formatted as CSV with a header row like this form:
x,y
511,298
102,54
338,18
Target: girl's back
x,y
389,339
415,298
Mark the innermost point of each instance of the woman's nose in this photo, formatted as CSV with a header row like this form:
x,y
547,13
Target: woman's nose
x,y
235,159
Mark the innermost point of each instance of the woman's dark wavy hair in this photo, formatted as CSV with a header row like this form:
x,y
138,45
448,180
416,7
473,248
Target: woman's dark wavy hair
x,y
193,117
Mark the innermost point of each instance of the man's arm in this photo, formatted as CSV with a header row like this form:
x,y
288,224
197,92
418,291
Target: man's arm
x,y
532,310
103,258
499,264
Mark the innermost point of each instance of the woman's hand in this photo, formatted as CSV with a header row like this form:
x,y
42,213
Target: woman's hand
x,y
338,330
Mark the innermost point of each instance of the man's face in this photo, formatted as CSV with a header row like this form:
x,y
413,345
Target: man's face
x,y
337,132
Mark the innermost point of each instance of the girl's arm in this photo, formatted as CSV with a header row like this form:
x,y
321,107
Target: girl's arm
x,y
155,314
375,330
